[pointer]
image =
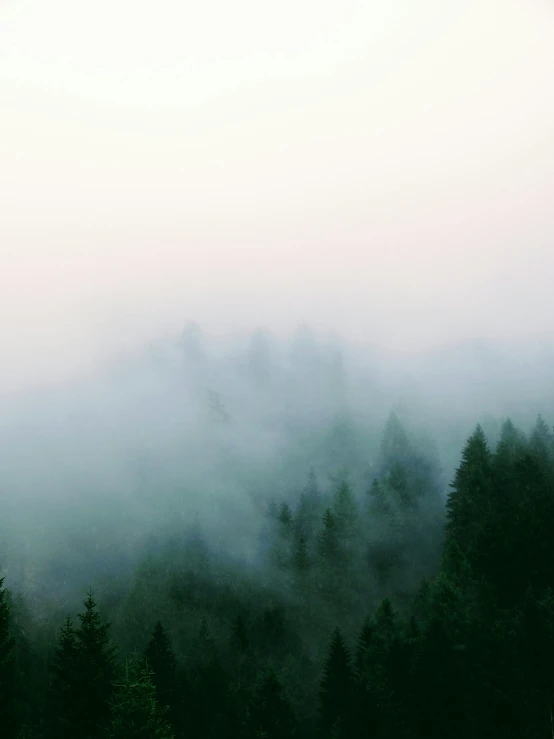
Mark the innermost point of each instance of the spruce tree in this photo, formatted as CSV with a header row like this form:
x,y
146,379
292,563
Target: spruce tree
x,y
95,665
8,710
336,690
394,444
379,505
161,660
136,713
328,545
345,510
62,717
468,500
270,713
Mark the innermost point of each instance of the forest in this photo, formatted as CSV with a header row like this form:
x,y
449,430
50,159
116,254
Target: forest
x,y
365,590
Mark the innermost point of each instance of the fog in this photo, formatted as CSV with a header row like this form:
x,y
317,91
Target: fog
x,y
383,170
378,174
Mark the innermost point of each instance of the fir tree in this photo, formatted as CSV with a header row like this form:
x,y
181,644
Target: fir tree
x,y
62,718
394,445
270,712
336,689
136,713
345,510
470,494
379,505
8,717
95,664
397,481
328,540
161,660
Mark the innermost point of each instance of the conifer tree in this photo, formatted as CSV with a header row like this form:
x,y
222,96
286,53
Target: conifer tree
x,y
161,660
345,510
336,689
136,713
397,481
470,494
542,440
394,444
440,679
95,665
328,540
62,719
379,505
8,711
270,712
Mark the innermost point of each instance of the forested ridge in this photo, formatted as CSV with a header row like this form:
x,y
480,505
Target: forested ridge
x,y
372,611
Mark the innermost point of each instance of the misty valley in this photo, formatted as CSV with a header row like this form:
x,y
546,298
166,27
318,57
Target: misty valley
x,y
254,538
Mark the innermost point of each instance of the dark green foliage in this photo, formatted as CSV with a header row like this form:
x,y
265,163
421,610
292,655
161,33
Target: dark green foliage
x,y
63,706
461,646
336,689
136,713
285,517
379,505
270,713
328,544
394,445
161,660
470,495
8,718
345,510
94,672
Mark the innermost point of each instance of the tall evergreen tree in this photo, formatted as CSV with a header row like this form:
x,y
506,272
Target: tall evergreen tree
x,y
95,665
467,503
345,510
136,713
379,505
270,714
394,444
62,717
161,660
8,710
336,690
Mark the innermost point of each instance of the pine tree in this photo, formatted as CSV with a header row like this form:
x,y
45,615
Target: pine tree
x,y
345,510
95,665
336,689
8,710
136,713
397,481
440,681
542,440
379,505
394,445
328,540
364,642
62,717
270,712
470,494
285,517
161,660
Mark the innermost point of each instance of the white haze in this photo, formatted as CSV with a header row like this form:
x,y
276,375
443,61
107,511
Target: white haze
x,y
383,169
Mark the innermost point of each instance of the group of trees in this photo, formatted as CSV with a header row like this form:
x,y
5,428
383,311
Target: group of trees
x,y
371,613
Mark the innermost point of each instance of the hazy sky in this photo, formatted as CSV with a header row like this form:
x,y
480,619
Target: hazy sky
x,y
380,167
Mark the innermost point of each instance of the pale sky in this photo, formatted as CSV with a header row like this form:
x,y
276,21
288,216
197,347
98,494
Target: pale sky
x,y
383,168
